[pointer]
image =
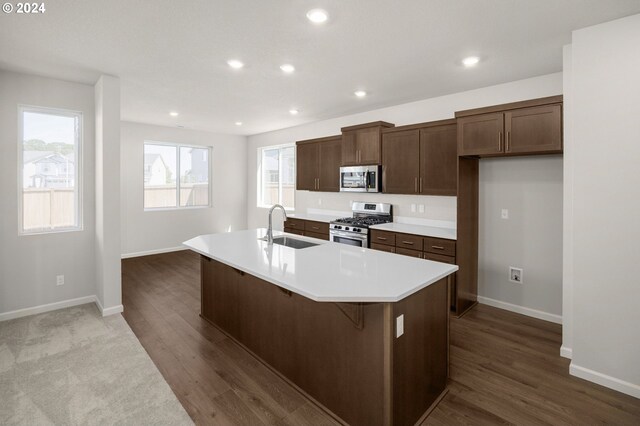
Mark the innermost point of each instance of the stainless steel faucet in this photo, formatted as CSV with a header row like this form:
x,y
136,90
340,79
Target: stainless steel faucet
x,y
270,230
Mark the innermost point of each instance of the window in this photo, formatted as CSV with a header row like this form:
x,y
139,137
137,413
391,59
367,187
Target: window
x,y
176,176
50,144
276,177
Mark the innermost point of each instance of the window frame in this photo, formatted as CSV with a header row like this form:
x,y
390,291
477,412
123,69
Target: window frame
x,y
78,178
177,146
259,183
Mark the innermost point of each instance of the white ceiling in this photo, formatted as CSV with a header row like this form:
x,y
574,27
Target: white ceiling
x,y
171,55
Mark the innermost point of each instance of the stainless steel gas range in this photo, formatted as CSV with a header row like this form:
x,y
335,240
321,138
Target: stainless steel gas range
x,y
355,230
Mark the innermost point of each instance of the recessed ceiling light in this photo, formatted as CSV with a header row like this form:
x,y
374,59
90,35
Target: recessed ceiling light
x,y
317,16
238,123
360,93
288,68
173,114
470,61
234,63
293,111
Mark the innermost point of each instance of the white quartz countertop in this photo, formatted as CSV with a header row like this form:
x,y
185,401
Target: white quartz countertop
x,y
328,272
317,217
425,231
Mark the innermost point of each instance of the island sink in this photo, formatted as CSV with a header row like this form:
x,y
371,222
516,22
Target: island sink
x,y
292,242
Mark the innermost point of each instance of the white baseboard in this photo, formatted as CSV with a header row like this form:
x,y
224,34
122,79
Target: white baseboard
x,y
46,308
604,380
150,252
109,311
566,352
521,310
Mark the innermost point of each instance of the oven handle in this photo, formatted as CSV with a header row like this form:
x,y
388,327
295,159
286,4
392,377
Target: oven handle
x,y
360,237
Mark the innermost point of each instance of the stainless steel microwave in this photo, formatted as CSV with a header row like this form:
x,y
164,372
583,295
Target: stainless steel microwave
x,y
361,179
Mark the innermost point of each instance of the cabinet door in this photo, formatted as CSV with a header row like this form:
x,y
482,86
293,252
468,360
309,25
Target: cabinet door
x,y
349,148
400,162
368,145
438,160
307,166
535,130
481,134
330,156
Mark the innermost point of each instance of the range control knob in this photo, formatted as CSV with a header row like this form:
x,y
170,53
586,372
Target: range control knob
x,y
337,227
357,229
346,228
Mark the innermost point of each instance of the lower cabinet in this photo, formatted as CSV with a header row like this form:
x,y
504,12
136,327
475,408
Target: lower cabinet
x,y
429,248
307,228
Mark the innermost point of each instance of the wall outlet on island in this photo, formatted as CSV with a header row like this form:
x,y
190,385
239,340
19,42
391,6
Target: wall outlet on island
x,y
505,213
515,275
59,279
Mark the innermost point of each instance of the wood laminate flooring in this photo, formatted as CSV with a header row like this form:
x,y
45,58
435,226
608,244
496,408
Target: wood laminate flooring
x,y
505,367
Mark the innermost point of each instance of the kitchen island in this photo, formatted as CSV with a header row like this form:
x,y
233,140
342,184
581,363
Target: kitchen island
x,y
363,333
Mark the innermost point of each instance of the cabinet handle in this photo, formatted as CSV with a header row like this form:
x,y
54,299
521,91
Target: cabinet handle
x,y
382,238
415,185
438,247
318,183
508,140
421,185
407,242
499,141
314,227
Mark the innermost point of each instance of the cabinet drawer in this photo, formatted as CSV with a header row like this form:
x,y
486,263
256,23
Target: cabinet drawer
x,y
440,246
413,242
316,235
317,227
383,247
440,258
408,252
294,231
294,223
383,237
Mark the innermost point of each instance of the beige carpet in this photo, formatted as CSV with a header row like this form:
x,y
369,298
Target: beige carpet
x,y
73,367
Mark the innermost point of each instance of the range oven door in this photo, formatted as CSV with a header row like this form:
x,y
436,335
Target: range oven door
x,y
357,240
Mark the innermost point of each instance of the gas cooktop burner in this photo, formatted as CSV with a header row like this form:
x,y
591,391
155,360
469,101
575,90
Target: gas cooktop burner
x,y
363,222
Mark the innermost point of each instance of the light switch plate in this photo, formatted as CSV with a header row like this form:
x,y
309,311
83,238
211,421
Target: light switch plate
x,y
413,208
505,213
399,326
421,208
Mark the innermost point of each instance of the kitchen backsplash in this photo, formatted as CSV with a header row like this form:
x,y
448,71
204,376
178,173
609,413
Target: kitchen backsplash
x,y
436,208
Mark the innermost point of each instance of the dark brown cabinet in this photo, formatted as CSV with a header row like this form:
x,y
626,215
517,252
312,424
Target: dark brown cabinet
x,y
361,143
420,159
429,248
521,128
318,164
307,228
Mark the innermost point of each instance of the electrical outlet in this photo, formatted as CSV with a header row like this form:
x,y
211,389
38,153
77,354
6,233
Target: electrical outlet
x,y
399,326
319,201
413,208
505,213
60,280
515,275
421,208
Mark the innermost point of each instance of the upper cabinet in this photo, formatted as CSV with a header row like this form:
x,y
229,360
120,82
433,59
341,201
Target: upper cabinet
x,y
318,164
420,159
520,128
361,144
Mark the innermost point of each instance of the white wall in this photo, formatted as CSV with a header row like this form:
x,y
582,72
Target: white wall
x,y
606,203
539,179
29,264
152,231
107,190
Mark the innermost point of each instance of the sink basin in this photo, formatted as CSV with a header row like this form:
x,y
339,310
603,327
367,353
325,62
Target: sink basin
x,y
292,242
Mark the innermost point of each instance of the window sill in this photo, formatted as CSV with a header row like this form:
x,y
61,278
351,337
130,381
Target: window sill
x,y
50,231
167,209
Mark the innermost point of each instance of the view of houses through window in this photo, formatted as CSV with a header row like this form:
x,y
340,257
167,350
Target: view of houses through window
x,y
175,176
50,169
277,176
